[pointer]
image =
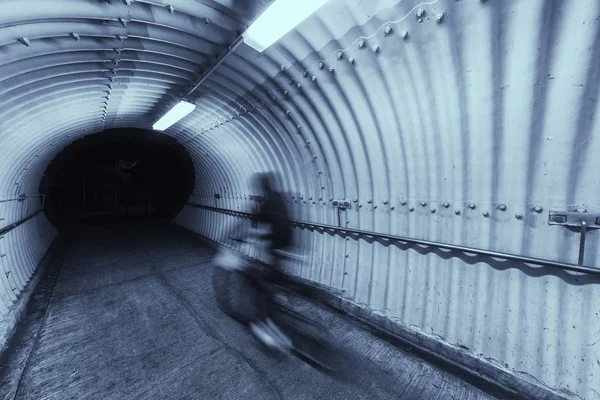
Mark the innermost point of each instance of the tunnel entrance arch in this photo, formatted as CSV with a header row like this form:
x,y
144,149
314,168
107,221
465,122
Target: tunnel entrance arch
x,y
118,175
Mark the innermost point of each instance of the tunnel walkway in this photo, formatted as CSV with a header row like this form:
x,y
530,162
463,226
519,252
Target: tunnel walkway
x,y
132,315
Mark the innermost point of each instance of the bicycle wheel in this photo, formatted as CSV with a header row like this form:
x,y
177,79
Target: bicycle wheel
x,y
317,353
311,341
235,294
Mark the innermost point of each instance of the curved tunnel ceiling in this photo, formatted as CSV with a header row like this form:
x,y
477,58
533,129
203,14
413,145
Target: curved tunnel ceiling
x,y
462,122
473,99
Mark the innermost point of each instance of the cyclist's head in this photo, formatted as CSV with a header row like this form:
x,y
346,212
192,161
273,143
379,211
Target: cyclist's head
x,y
264,181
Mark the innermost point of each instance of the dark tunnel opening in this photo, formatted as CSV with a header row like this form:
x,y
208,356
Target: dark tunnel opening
x,y
118,176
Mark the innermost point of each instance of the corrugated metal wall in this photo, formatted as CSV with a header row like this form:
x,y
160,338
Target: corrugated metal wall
x,y
462,122
21,251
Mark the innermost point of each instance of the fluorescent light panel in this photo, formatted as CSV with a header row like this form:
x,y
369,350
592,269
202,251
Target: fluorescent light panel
x,y
182,109
281,17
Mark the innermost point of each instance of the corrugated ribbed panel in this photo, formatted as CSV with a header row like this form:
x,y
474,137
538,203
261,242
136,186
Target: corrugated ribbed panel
x,y
21,251
462,122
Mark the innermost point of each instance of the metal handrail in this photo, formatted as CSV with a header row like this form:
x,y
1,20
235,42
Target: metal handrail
x,y
26,196
447,246
14,225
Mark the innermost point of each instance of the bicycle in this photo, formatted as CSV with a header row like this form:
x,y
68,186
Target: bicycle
x,y
238,278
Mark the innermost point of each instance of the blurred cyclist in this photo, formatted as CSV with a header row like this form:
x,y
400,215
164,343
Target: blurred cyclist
x,y
273,217
273,232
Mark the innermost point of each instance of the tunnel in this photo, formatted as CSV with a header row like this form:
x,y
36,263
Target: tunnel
x,y
115,176
437,158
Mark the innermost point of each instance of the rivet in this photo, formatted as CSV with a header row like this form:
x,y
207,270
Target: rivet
x,y
25,41
285,92
388,29
331,199
439,18
347,221
369,201
403,202
347,256
433,210
321,65
308,142
171,9
298,126
411,209
287,112
472,206
420,12
351,60
518,216
305,74
314,157
375,49
361,44
423,203
340,55
355,200
274,98
314,78
385,202
486,214
331,69
502,207
446,205
291,81
457,212
206,21
404,35
360,206
75,36
123,21
538,209
299,86
392,208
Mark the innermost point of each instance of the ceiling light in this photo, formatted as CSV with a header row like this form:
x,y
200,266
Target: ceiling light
x,y
278,19
182,109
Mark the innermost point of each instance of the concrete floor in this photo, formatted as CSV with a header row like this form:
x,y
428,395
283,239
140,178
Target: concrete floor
x,y
132,315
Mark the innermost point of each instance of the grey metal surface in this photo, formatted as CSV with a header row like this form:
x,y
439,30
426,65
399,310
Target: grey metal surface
x,y
141,322
462,126
21,251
